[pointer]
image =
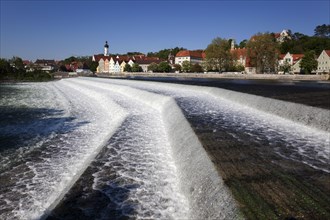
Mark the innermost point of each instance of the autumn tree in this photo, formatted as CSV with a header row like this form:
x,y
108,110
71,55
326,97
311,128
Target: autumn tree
x,y
262,50
218,54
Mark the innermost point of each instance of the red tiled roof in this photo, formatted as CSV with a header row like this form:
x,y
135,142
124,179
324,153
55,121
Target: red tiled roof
x,y
281,56
123,58
189,53
26,62
147,60
277,35
98,57
297,57
238,52
327,52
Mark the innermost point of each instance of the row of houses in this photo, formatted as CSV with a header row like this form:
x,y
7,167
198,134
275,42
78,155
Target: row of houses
x,y
241,58
116,64
42,64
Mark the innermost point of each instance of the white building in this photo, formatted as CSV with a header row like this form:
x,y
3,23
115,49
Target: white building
x,y
190,56
292,60
280,37
323,62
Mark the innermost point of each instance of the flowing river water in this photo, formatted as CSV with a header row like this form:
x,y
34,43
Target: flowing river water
x,y
92,148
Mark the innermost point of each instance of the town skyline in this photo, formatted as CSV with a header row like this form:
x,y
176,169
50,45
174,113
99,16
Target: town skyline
x,y
52,30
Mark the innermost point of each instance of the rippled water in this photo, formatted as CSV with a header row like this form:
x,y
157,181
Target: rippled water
x,y
104,150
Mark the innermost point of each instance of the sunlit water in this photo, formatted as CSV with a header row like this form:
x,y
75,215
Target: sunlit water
x,y
51,132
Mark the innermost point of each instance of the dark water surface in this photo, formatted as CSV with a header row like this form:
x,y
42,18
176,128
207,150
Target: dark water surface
x,y
312,93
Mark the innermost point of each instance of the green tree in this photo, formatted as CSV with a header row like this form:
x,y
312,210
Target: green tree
x,y
286,67
322,31
263,52
301,43
62,68
69,60
186,66
218,54
196,68
164,67
163,54
127,68
242,44
153,67
136,68
93,66
239,68
5,67
308,62
177,67
17,63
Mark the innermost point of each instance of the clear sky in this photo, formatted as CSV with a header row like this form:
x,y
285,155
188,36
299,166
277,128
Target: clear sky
x,y
59,29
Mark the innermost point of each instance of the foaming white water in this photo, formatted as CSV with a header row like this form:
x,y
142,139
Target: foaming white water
x,y
137,171
306,139
31,134
42,177
200,182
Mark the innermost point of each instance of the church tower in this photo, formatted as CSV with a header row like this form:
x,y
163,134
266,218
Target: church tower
x,y
232,46
106,49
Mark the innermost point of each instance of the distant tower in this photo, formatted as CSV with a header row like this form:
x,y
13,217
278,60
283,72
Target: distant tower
x,y
106,49
232,46
170,58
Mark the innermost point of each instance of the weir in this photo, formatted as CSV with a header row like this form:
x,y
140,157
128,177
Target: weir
x,y
200,182
302,114
94,150
306,115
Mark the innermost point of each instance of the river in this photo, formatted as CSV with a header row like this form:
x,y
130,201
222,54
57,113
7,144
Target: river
x,y
108,148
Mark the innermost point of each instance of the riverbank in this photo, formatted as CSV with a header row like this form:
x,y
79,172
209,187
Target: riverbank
x,y
323,77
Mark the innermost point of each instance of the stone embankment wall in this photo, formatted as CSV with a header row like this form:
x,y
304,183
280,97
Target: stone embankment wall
x,y
224,76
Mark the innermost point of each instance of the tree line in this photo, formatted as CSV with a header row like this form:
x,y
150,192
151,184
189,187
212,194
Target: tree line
x,y
14,70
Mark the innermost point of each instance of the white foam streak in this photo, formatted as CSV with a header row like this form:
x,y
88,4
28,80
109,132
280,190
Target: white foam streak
x,y
200,182
65,156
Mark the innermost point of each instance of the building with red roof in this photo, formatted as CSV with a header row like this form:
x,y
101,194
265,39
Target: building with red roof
x,y
323,62
240,57
193,56
291,59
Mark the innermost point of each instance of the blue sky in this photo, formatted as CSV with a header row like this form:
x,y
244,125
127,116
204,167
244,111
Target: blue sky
x,y
59,29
